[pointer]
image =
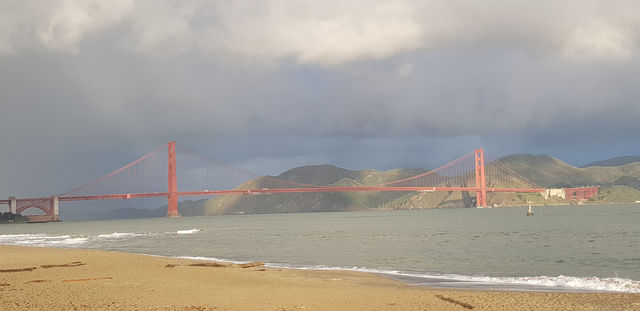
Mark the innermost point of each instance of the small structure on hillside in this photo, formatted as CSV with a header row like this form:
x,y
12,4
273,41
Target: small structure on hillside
x,y
580,194
571,194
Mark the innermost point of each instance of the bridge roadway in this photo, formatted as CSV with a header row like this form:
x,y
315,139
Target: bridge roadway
x,y
282,190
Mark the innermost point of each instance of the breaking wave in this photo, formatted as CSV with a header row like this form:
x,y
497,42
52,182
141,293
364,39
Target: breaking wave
x,y
41,240
534,283
190,231
562,281
119,235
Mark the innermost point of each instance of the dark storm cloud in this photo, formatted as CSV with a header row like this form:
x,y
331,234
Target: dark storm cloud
x,y
89,85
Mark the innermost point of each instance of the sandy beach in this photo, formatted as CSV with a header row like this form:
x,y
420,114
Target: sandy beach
x,y
63,279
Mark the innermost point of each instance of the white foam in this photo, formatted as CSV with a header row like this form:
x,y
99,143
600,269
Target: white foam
x,y
64,240
190,231
56,237
118,235
70,241
41,240
563,281
552,283
10,237
28,242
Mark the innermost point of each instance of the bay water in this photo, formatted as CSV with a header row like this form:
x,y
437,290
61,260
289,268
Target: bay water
x,y
560,248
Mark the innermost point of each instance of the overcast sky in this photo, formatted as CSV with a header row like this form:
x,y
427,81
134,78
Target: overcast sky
x,y
87,86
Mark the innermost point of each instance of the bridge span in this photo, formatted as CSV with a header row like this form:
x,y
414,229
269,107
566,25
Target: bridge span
x,y
468,173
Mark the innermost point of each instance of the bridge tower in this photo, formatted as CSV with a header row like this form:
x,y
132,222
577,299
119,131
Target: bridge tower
x,y
481,195
172,183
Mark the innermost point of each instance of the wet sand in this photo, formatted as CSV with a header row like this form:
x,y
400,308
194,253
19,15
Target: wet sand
x,y
62,279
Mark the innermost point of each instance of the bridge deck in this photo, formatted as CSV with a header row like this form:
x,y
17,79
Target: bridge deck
x,y
291,190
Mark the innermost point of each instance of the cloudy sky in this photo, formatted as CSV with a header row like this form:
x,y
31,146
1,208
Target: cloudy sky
x,y
90,85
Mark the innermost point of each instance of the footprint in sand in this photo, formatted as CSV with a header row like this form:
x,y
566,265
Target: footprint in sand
x,y
18,270
84,280
458,302
220,265
71,264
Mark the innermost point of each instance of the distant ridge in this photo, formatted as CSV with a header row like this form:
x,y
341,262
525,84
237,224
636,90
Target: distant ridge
x,y
550,172
618,184
617,161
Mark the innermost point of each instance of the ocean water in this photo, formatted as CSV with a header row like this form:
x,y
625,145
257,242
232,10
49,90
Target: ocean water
x,y
561,248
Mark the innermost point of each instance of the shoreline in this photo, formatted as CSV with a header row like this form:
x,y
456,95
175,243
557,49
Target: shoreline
x,y
444,281
39,278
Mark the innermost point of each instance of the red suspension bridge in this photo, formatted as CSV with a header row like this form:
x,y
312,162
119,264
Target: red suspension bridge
x,y
156,175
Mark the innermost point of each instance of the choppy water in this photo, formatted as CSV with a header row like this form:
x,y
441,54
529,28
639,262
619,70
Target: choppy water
x,y
560,248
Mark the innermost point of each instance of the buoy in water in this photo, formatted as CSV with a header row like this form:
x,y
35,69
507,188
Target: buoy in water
x,y
530,212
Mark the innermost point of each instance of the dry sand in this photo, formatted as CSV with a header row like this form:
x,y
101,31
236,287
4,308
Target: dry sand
x,y
61,279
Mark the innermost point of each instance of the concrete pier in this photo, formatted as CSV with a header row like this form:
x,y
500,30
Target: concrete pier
x,y
55,207
13,205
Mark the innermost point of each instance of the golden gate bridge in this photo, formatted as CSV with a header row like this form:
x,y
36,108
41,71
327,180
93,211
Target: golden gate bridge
x,y
158,173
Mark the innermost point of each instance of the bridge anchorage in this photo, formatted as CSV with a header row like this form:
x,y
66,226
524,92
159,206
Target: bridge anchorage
x,y
200,175
50,207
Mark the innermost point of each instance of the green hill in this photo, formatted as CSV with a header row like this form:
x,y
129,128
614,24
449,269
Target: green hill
x,y
553,173
318,174
618,161
322,175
